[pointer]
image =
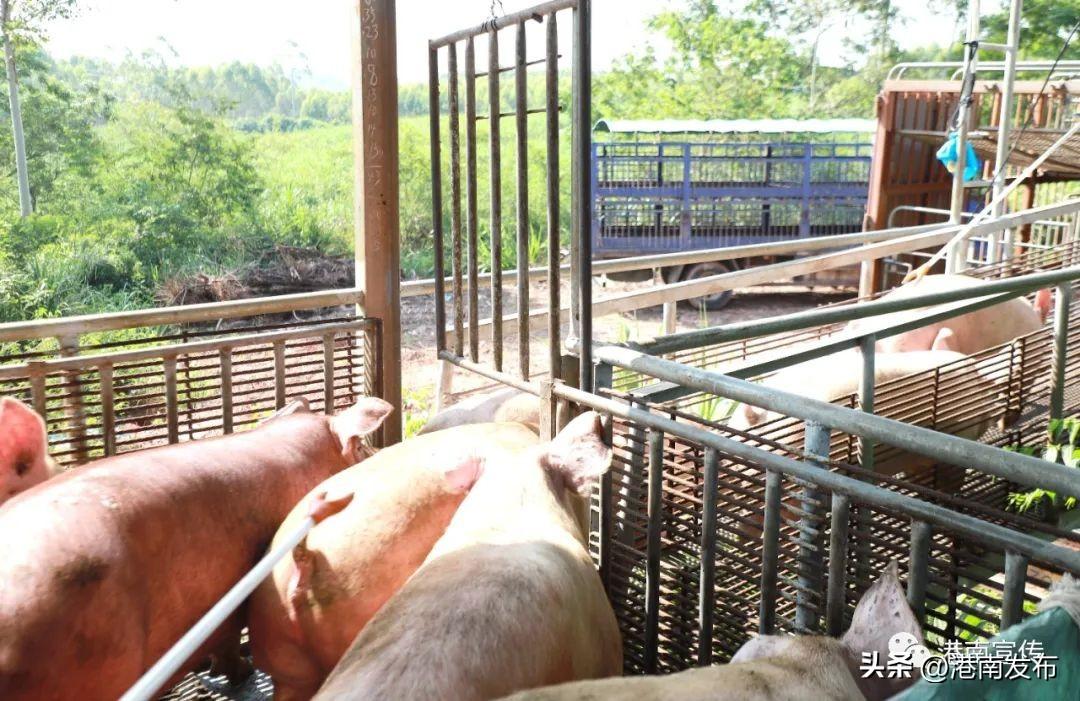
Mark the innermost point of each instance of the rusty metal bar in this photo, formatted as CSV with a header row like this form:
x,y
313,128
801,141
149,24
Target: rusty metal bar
x,y
163,316
455,198
519,17
225,363
770,551
1059,363
553,230
507,69
83,362
707,589
1012,602
435,114
835,600
171,408
471,222
328,373
918,568
38,393
495,159
581,205
652,557
522,143
108,409
279,374
810,559
495,375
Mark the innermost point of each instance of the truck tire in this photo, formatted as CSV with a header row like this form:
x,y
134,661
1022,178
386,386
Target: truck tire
x,y
711,302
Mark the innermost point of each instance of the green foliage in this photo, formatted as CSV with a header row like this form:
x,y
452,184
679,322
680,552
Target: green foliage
x,y
1062,446
1045,25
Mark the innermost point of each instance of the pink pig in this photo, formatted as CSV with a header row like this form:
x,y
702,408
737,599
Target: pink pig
x,y
103,568
24,450
968,333
508,599
305,615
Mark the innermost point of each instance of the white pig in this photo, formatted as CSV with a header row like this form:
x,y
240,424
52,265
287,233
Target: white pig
x,y
504,406
507,600
777,668
971,333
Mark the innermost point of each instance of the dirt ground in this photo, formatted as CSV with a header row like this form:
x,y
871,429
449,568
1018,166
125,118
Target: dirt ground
x,y
420,369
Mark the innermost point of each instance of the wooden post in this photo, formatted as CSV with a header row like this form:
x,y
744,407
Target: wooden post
x,y
375,135
877,205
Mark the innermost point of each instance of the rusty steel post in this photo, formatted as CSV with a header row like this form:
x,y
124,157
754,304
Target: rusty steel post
x,y
375,134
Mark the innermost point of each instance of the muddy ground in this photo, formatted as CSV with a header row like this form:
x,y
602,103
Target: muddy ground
x,y
420,370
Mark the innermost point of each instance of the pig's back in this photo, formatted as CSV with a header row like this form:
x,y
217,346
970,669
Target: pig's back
x,y
127,552
822,676
483,622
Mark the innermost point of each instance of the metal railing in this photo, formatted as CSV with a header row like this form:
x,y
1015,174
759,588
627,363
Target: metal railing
x,y
110,383
709,516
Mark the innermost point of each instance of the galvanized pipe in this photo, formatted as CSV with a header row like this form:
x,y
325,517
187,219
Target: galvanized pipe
x,y
1012,602
866,397
978,530
919,569
737,331
1059,362
770,552
809,559
950,449
522,142
835,600
707,589
415,288
154,678
581,225
653,554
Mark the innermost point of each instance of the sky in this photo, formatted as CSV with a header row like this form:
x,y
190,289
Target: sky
x,y
316,33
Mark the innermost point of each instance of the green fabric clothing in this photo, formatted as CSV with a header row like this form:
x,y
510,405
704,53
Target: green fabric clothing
x,y
1059,637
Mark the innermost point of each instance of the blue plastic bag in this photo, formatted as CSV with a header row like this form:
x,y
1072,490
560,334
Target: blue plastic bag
x,y
947,154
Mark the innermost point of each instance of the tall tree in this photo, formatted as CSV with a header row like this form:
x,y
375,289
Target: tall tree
x,y
20,20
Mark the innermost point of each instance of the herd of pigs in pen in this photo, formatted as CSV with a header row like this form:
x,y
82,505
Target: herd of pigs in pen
x,y
772,567
670,535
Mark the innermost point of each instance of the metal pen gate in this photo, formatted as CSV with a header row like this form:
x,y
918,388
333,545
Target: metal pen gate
x,y
465,230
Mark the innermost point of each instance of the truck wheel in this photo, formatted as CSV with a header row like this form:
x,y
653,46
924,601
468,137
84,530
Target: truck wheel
x,y
711,302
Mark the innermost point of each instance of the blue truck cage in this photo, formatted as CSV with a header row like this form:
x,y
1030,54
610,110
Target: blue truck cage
x,y
715,190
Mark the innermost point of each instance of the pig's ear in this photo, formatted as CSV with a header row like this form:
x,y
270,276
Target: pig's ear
x,y
882,613
945,340
1043,302
22,440
746,416
358,421
296,406
579,453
